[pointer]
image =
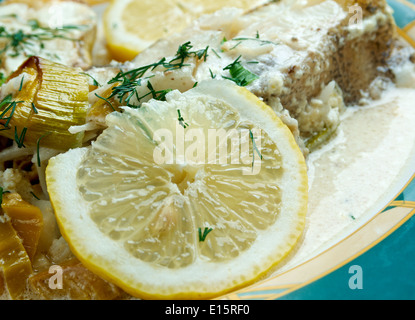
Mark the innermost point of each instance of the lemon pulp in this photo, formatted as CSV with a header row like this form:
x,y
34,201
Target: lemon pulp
x,y
177,215
155,211
133,25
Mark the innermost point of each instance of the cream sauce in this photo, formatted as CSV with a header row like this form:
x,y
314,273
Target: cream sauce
x,y
359,171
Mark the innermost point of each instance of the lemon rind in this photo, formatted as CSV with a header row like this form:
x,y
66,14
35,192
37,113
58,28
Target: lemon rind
x,y
169,284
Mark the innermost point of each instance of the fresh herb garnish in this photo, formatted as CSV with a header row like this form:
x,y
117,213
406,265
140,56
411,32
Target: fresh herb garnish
x,y
157,95
6,105
95,82
20,42
20,138
239,74
202,236
181,120
6,100
217,54
106,100
263,42
35,196
237,44
128,81
34,108
3,79
38,148
184,52
21,84
1,195
239,40
251,136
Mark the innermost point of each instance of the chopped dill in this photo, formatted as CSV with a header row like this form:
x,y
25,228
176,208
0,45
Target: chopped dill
x,y
202,236
20,138
251,136
157,95
34,108
106,100
34,195
1,195
19,42
38,148
237,44
94,81
128,81
6,100
181,120
7,105
21,84
217,54
3,79
263,42
239,74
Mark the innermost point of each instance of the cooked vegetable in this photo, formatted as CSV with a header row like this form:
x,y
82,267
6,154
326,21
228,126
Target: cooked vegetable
x,y
26,219
50,98
76,282
14,261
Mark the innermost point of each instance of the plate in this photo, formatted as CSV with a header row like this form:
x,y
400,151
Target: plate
x,y
376,259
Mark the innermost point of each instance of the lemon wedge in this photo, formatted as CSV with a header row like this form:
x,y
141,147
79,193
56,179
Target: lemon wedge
x,y
187,198
130,26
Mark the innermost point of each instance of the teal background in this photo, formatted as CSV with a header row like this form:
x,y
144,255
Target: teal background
x,y
388,272
402,14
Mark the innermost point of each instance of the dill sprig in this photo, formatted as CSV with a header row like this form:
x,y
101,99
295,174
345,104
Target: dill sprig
x,y
20,42
38,148
183,52
129,81
202,236
181,119
94,81
3,79
241,76
6,105
262,42
2,191
34,195
255,148
19,138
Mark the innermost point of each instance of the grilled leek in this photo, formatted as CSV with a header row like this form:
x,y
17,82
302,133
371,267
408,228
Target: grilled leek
x,y
14,261
26,219
46,99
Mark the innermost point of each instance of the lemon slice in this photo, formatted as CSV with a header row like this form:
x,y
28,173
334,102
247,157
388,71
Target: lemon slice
x,y
132,25
186,198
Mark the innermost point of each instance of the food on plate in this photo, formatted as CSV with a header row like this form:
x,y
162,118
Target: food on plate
x,y
180,173
41,101
60,31
174,227
126,38
306,73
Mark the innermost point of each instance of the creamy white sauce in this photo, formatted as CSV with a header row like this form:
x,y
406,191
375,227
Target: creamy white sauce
x,y
359,171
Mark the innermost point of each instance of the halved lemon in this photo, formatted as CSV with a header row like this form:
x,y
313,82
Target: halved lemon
x,y
132,25
187,198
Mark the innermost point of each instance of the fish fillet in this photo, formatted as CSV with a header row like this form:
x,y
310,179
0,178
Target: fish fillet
x,y
309,58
